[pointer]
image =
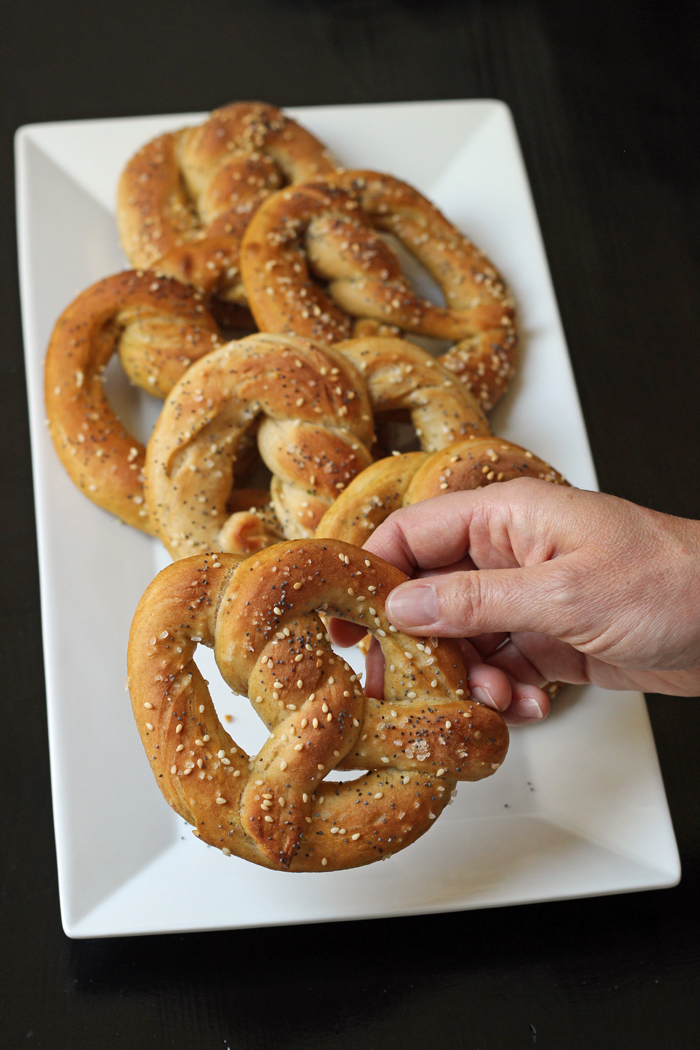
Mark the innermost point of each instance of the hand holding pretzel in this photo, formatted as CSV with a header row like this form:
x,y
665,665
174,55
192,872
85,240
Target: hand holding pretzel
x,y
276,808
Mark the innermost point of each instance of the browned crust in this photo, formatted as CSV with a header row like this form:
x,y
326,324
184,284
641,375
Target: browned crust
x,y
402,377
159,327
276,808
185,199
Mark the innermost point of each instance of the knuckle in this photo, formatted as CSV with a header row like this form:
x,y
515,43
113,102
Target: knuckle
x,y
462,602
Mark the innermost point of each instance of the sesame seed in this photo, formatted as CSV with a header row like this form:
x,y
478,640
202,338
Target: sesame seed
x,y
178,727
440,772
459,692
448,725
379,794
173,769
149,726
149,707
277,611
221,801
283,765
268,819
226,852
324,861
385,760
356,836
180,747
297,586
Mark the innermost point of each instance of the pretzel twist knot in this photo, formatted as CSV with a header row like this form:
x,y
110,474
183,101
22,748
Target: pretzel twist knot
x,y
310,409
330,229
276,808
185,198
159,327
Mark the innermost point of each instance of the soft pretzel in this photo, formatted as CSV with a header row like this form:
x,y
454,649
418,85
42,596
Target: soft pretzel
x,y
314,426
399,376
402,377
276,808
159,327
398,481
185,198
327,229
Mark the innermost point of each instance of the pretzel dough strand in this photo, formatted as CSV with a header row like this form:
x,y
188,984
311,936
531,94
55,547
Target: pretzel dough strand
x,y
185,199
276,809
316,425
159,327
400,376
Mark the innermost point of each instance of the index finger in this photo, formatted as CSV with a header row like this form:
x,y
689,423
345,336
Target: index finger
x,y
426,535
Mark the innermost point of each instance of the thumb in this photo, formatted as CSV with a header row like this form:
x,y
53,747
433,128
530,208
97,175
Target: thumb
x,y
460,604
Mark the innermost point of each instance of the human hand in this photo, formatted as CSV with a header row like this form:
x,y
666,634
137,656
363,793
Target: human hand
x,y
546,583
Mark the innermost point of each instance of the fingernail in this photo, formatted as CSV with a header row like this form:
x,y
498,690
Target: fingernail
x,y
412,606
482,696
529,708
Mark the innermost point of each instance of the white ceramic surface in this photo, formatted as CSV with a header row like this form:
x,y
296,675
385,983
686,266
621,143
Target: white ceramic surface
x,y
579,806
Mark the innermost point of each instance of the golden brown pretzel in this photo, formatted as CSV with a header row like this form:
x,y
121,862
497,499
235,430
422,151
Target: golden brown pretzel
x,y
399,481
159,327
185,198
276,808
314,426
399,376
328,229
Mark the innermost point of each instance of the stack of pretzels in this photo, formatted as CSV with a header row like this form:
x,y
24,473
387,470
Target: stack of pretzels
x,y
245,225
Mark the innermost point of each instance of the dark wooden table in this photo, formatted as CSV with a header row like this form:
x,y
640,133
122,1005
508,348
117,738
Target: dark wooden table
x,y
606,98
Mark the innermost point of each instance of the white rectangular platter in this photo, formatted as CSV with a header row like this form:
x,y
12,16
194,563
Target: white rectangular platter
x,y
579,806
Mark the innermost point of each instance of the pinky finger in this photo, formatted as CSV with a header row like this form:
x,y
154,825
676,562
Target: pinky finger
x,y
529,704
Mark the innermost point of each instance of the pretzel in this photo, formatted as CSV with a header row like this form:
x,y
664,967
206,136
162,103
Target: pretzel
x,y
328,229
185,198
398,481
159,327
314,425
275,808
